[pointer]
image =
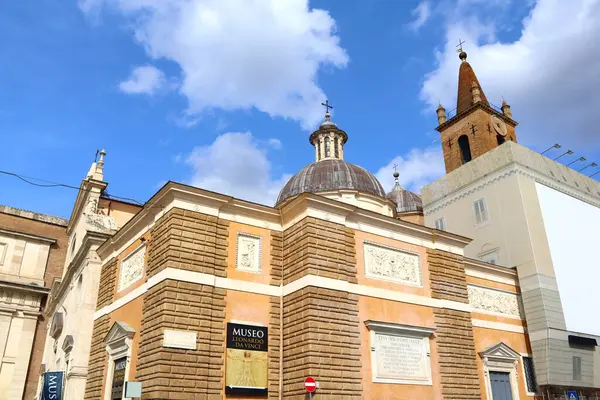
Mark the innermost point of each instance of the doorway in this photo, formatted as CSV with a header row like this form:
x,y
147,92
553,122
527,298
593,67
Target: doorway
x,y
501,389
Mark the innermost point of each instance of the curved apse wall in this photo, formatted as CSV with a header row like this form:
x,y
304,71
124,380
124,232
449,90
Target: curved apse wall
x,y
573,230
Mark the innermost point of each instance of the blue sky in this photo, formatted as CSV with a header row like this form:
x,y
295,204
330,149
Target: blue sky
x,y
224,94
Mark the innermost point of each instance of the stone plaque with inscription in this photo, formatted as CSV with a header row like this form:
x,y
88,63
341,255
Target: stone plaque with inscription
x,y
401,357
179,339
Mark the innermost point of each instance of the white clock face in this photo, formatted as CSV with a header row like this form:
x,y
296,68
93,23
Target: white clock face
x,y
499,126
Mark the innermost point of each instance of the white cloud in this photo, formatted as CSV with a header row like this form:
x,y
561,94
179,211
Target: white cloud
x,y
237,165
239,54
548,75
421,15
146,79
417,168
274,143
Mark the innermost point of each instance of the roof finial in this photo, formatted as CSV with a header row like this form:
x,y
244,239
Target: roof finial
x,y
462,55
396,174
327,107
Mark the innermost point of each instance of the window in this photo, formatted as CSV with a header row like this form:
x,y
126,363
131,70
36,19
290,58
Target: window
x,y
481,213
491,257
440,224
2,252
327,147
318,150
576,368
465,149
529,374
336,147
500,139
73,243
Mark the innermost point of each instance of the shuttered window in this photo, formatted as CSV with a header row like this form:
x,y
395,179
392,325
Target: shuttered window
x,y
440,224
481,212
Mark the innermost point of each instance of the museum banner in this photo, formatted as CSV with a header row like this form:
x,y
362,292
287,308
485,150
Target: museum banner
x,y
53,386
246,364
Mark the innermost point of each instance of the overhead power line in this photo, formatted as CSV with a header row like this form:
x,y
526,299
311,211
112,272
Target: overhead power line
x,y
50,184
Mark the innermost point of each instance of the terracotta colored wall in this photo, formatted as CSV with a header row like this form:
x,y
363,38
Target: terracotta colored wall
x,y
519,342
400,313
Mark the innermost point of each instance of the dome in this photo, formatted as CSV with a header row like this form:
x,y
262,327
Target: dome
x,y
406,201
328,175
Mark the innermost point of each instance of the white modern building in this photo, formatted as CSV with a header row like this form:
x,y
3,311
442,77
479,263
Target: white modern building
x,y
527,212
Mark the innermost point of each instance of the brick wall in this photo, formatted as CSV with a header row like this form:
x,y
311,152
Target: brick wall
x,y
190,241
454,337
98,359
480,143
316,247
54,268
275,314
447,276
168,373
108,281
322,339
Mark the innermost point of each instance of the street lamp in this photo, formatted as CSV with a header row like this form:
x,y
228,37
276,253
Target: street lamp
x,y
574,161
589,165
569,152
555,146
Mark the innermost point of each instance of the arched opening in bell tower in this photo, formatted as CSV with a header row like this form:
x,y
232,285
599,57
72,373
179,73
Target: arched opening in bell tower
x,y
465,149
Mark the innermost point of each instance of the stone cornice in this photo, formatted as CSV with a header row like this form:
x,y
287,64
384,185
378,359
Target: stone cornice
x,y
24,287
89,240
176,195
28,236
490,268
511,169
476,106
49,219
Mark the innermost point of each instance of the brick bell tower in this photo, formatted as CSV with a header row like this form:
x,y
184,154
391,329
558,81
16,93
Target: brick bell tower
x,y
477,127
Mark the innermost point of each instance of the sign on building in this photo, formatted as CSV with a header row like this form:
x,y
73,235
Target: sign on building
x,y
246,364
53,386
572,395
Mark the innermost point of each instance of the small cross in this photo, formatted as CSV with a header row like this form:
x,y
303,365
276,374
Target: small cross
x,y
459,46
395,167
473,129
327,106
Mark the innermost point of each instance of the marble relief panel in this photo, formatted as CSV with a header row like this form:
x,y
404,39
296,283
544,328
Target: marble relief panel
x,y
392,264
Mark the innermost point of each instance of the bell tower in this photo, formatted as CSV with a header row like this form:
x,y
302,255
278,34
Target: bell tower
x,y
477,127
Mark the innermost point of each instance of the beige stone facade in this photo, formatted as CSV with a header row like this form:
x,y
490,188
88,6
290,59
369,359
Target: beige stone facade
x,y
32,252
338,288
72,303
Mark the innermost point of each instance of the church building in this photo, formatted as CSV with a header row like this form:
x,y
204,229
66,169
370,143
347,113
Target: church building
x,y
206,296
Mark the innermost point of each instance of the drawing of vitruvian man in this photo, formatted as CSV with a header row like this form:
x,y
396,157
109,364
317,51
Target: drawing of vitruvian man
x,y
246,368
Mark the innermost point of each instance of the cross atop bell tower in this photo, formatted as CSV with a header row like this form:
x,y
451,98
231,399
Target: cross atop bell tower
x,y
477,126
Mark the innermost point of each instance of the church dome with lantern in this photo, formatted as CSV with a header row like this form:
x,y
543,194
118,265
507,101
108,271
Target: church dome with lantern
x,y
332,177
406,201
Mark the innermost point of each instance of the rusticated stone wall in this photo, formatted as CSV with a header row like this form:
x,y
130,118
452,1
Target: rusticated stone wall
x,y
275,314
108,282
322,340
168,373
190,241
447,276
317,247
455,343
98,359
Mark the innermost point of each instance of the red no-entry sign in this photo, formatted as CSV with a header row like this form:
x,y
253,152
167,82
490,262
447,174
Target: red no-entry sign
x,y
310,384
